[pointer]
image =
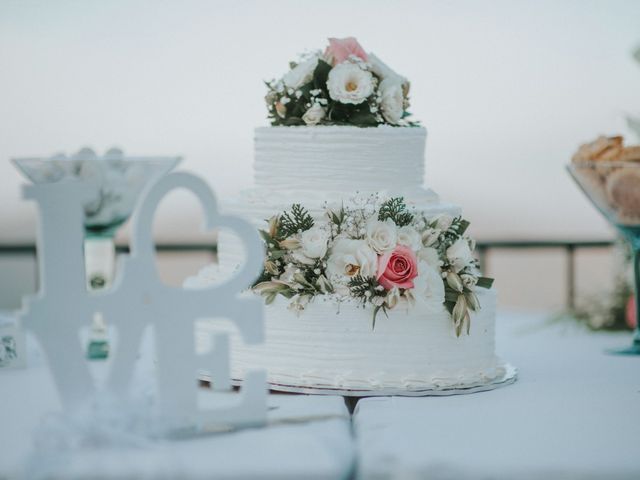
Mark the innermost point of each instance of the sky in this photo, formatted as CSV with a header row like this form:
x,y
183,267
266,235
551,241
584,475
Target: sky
x,y
506,89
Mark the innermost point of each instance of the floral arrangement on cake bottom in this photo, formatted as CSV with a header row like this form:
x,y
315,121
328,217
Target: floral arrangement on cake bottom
x,y
376,251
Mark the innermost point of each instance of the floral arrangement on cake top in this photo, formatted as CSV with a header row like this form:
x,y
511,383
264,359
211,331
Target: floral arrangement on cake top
x,y
376,251
342,86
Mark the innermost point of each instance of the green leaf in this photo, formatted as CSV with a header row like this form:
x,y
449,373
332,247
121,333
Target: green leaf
x,y
450,295
292,121
363,119
288,293
485,282
375,314
266,237
306,90
320,75
270,297
299,277
462,226
276,254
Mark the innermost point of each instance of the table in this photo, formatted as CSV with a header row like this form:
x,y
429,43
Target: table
x,y
308,437
573,413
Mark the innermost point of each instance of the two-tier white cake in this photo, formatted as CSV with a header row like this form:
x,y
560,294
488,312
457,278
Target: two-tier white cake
x,y
370,282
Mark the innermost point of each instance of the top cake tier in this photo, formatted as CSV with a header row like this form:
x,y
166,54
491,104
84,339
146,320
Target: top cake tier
x,y
339,158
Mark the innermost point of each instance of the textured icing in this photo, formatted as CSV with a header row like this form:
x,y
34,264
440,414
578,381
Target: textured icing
x,y
342,159
333,345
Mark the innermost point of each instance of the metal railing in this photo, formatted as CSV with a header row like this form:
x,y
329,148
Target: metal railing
x,y
570,248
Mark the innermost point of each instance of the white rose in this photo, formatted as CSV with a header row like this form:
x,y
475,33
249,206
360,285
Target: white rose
x,y
314,242
383,71
430,256
410,237
301,74
349,258
349,83
382,236
314,115
459,254
429,288
391,100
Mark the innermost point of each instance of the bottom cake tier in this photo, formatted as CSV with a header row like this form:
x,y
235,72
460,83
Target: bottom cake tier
x,y
331,346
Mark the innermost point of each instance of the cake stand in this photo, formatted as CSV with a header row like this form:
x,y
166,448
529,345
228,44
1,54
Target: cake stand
x,y
614,189
510,375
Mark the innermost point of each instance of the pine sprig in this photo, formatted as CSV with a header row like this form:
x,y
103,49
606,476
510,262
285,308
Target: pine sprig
x,y
363,287
396,210
294,221
366,288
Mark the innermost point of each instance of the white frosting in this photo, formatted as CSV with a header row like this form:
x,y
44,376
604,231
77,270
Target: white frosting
x,y
339,159
333,345
321,348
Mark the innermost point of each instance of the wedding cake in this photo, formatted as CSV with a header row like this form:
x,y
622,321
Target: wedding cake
x,y
370,281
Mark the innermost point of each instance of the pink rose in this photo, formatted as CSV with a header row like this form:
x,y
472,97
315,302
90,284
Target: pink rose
x,y
339,50
397,268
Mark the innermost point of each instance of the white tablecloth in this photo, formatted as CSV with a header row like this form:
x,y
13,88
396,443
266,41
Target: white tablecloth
x,y
290,447
573,413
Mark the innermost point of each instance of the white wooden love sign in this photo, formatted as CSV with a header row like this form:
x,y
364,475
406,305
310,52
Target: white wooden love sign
x,y
139,299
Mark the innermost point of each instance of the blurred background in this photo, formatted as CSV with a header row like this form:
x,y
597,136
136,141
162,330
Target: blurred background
x,y
506,89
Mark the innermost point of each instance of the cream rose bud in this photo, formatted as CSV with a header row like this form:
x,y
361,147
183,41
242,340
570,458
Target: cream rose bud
x,y
459,254
281,109
349,258
391,100
314,242
349,83
443,221
314,115
301,74
382,236
410,237
469,281
430,237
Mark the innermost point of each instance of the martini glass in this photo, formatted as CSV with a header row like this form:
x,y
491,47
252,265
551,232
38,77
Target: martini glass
x,y
118,181
614,189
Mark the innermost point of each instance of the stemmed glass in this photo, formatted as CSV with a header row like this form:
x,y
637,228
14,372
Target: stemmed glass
x,y
119,180
614,189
